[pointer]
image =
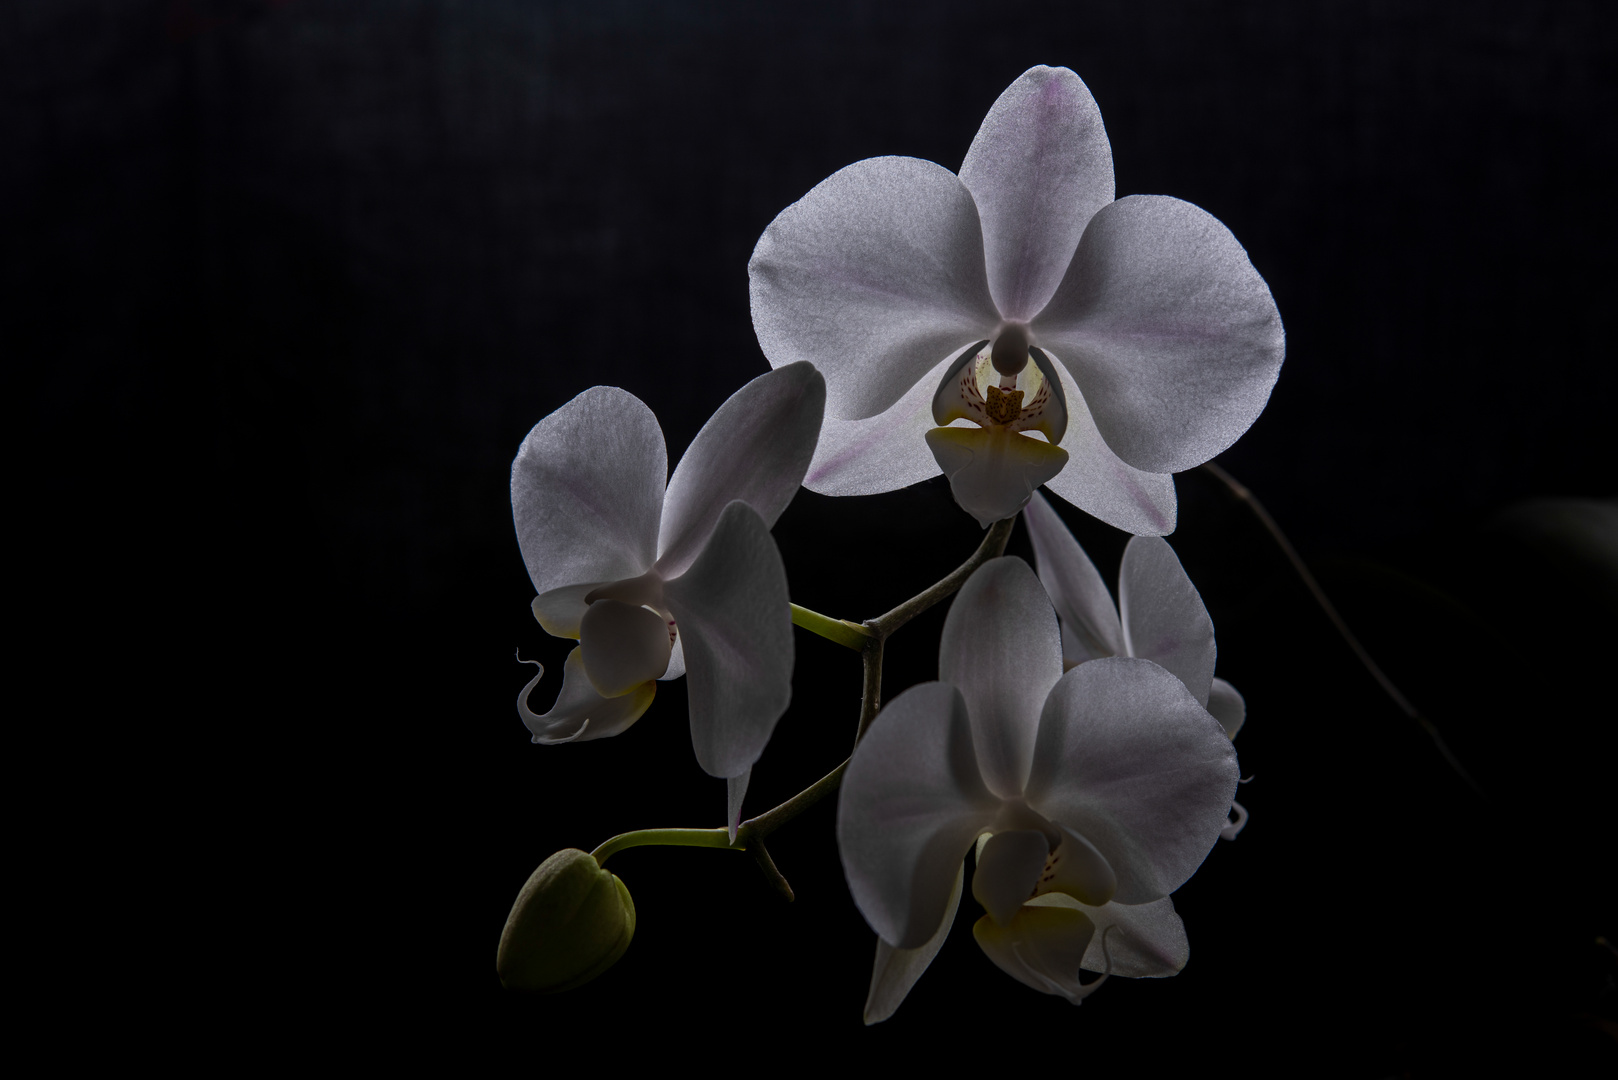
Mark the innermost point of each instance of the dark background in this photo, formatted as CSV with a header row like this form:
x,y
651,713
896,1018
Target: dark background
x,y
286,283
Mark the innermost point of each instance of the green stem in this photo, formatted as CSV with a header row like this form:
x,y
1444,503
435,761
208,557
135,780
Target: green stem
x,y
851,635
868,640
714,838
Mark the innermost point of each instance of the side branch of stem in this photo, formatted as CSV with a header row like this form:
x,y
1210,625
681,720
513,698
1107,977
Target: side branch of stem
x,y
993,546
713,838
868,640
851,635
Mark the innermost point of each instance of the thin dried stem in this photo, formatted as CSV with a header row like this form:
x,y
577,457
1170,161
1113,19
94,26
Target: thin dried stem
x,y
1243,494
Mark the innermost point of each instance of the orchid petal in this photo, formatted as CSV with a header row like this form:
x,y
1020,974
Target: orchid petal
x,y
1163,616
1001,648
735,792
875,276
1043,947
993,471
623,646
1079,870
1090,626
1047,412
911,803
1039,169
676,666
580,714
587,490
1227,706
884,452
735,621
1169,330
1144,941
1008,869
896,970
1098,482
1127,759
756,448
560,611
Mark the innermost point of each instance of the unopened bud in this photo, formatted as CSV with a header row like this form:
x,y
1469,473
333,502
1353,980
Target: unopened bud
x,y
572,921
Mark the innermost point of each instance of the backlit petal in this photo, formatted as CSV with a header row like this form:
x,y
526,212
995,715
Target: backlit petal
x,y
676,666
1163,616
911,803
1127,759
896,970
884,452
875,277
587,490
755,448
735,625
1039,169
1001,648
1103,486
1090,627
1169,331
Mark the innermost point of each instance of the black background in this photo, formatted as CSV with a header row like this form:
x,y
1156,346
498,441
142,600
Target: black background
x,y
286,283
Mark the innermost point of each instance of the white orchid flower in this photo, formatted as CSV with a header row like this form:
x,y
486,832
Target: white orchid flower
x,y
923,296
1159,616
657,582
1101,791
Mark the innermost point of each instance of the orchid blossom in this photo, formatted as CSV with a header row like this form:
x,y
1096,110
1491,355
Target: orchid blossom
x,y
1133,336
657,582
1159,617
1100,792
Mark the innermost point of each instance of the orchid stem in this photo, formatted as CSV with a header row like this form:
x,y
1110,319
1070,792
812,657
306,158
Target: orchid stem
x,y
868,641
767,822
843,632
993,546
711,838
1243,494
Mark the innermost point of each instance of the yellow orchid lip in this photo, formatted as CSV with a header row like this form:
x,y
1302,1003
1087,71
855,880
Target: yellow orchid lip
x,y
993,471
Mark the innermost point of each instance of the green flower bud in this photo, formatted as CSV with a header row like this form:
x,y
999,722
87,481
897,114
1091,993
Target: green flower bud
x,y
571,922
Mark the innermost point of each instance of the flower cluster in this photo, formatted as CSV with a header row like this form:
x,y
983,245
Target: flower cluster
x,y
1098,791
1010,326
